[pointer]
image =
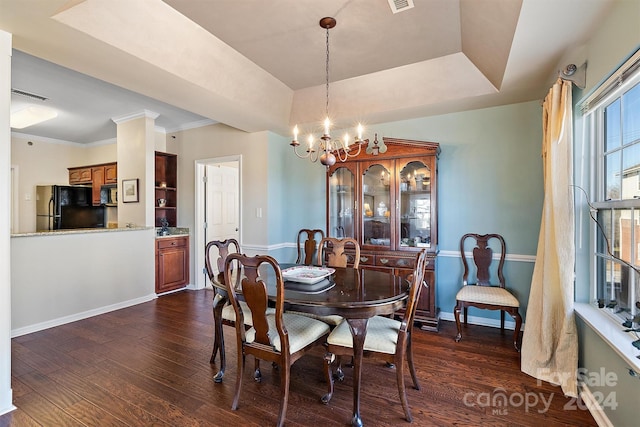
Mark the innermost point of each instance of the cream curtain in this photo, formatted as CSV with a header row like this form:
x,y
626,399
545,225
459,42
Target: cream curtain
x,y
550,343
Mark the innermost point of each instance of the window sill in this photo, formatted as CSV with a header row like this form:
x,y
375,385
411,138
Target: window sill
x,y
611,332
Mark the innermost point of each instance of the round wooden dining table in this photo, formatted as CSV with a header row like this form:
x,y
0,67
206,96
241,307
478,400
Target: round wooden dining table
x,y
355,294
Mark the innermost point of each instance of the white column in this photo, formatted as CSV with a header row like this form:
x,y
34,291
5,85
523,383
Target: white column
x,y
135,138
6,404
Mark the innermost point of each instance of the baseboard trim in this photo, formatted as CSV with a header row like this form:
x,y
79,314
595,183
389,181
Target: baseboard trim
x,y
594,408
79,316
482,321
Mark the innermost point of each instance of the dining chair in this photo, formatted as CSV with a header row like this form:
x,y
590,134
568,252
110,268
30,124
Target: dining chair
x,y
386,339
307,247
331,252
227,315
477,288
281,338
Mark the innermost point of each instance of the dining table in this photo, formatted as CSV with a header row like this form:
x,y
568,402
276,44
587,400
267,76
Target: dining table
x,y
356,294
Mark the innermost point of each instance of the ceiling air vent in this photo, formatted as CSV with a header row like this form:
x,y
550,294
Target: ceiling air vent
x,y
400,5
28,95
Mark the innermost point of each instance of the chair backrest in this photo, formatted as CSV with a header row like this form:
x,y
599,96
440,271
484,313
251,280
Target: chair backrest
x,y
253,285
417,282
225,247
482,259
307,250
332,250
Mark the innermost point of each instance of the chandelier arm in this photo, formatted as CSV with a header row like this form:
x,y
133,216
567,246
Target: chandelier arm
x,y
295,150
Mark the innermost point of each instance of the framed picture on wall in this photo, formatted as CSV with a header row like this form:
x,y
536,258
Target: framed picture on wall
x,y
130,190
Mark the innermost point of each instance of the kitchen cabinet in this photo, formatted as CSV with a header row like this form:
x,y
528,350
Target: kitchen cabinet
x,y
80,175
166,189
172,263
96,176
111,173
388,203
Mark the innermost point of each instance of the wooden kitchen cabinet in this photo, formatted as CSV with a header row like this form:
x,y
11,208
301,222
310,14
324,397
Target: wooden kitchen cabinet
x,y
388,203
172,263
81,175
96,176
111,173
97,181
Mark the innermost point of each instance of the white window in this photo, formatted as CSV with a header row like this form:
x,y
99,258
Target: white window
x,y
613,123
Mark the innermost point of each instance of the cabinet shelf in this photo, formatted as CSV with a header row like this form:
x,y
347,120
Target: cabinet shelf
x,y
166,187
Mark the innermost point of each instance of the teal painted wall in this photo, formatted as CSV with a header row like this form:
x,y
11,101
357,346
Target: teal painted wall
x,y
300,200
490,180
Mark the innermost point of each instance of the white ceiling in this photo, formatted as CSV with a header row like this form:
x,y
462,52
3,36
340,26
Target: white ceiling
x,y
260,65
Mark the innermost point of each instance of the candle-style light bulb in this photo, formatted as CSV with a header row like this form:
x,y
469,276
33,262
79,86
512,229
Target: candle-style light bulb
x,y
327,123
310,139
346,140
295,133
360,129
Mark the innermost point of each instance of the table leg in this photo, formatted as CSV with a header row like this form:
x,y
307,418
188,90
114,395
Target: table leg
x,y
358,332
218,342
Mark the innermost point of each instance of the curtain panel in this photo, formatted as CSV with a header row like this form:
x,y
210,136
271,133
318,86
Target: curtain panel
x,y
549,342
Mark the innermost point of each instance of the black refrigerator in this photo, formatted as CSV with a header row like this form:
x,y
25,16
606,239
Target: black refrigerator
x,y
63,207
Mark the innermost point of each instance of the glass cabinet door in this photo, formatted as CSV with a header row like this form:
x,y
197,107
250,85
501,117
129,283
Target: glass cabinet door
x,y
415,205
376,206
341,203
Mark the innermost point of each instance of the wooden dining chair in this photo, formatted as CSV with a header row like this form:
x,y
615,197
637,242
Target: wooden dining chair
x,y
477,288
387,339
331,252
307,246
281,338
227,315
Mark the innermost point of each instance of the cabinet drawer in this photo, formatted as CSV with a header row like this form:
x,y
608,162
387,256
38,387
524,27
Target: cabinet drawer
x,y
367,259
395,261
171,242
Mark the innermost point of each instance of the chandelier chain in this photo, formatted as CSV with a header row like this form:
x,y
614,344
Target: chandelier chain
x,y
327,75
325,149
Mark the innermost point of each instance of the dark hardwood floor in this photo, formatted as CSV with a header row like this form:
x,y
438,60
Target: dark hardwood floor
x,y
149,365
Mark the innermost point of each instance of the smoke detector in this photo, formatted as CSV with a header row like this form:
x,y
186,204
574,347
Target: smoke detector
x,y
400,5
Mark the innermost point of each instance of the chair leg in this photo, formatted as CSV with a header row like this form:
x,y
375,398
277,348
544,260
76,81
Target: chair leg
x,y
240,371
257,375
516,331
218,337
328,359
401,390
456,315
412,368
502,320
284,393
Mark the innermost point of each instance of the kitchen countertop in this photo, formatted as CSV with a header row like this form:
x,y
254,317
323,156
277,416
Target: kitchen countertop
x,y
173,232
80,231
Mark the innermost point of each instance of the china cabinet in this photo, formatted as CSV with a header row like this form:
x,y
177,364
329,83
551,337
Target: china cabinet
x,y
388,203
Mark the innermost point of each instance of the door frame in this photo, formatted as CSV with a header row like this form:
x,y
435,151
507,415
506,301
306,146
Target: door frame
x,y
201,280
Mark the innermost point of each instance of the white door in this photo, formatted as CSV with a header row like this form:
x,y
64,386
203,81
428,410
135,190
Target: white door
x,y
221,206
217,207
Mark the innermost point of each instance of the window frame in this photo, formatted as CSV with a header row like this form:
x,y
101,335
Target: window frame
x,y
595,133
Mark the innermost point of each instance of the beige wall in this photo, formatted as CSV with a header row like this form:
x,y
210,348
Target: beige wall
x,y
219,140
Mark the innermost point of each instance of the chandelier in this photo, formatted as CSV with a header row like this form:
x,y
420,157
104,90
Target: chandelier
x,y
325,149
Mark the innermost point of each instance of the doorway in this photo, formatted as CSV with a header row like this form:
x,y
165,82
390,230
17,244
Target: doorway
x,y
218,207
